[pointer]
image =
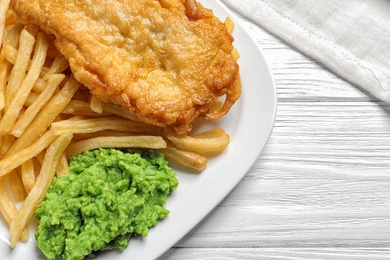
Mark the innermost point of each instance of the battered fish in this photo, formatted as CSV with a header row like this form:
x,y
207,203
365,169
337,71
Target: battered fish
x,y
166,61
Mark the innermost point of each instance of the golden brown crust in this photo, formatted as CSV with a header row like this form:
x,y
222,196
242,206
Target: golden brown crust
x,y
165,61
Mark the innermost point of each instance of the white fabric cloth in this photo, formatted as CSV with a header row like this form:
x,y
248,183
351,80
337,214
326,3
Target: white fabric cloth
x,y
349,37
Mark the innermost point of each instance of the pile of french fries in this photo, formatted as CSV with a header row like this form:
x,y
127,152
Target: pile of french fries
x,y
46,117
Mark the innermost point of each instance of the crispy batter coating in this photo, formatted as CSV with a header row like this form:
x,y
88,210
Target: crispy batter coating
x,y
165,61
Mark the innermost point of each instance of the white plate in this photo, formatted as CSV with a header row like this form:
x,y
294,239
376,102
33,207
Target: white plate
x,y
249,124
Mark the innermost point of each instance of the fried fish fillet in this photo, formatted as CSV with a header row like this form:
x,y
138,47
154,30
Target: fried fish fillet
x,y
166,61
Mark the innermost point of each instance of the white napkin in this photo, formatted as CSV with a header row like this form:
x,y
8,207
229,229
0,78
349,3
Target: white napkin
x,y
350,37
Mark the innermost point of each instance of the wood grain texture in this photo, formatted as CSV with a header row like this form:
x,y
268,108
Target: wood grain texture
x,y
279,254
321,188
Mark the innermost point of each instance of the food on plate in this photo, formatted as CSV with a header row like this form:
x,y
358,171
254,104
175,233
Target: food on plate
x,y
212,141
47,116
107,197
166,62
43,181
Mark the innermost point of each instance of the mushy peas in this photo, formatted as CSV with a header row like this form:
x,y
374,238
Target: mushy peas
x,y
107,197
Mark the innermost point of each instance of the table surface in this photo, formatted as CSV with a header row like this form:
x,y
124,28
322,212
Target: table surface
x,y
321,188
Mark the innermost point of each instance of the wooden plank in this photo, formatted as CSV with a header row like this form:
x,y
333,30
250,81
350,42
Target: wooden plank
x,y
322,181
277,253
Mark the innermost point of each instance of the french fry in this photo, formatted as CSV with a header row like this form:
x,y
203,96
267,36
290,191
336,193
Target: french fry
x,y
12,37
1,143
151,142
44,179
236,54
22,123
26,44
211,141
7,141
11,162
96,105
32,29
79,107
229,24
20,96
46,116
6,211
100,124
3,11
119,111
28,175
40,84
63,167
216,106
12,40
58,66
187,159
39,157
9,211
10,53
38,163
4,68
16,185
31,98
80,137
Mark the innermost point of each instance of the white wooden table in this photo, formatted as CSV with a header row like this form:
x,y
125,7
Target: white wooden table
x,y
321,188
